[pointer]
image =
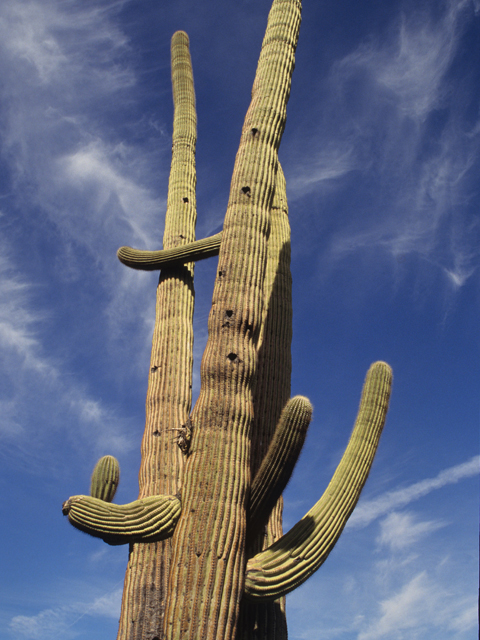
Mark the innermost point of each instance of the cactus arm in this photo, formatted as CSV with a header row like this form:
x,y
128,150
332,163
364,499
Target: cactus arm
x,y
169,391
207,568
154,260
148,519
105,479
295,557
277,466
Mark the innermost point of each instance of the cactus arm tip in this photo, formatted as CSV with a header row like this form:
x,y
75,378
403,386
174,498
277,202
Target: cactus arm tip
x,y
105,479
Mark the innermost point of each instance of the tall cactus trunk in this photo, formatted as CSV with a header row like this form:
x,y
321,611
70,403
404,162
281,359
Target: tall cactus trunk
x,y
207,571
170,378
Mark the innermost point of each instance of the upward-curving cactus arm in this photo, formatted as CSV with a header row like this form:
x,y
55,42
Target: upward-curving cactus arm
x,y
277,466
295,557
105,479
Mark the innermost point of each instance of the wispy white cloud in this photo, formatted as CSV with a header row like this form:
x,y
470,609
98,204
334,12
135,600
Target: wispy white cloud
x,y
47,624
68,75
17,322
67,68
417,608
401,530
61,621
369,510
44,34
394,113
32,379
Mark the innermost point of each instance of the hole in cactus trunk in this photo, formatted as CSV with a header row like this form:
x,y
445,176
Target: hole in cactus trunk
x,y
185,200
246,191
229,313
233,357
254,132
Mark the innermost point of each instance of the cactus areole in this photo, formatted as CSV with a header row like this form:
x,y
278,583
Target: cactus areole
x,y
208,559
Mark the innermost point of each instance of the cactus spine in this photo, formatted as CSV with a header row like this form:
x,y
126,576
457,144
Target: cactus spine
x,y
207,556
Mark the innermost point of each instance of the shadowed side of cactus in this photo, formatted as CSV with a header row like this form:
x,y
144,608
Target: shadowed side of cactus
x,y
105,479
279,462
272,390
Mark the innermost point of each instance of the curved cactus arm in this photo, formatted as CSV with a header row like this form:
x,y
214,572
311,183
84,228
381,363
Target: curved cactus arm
x,y
279,462
298,554
105,479
154,260
146,520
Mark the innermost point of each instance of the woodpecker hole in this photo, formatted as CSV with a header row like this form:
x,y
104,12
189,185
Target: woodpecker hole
x,y
246,191
185,199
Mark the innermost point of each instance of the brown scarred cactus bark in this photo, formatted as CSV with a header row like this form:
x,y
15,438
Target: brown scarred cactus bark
x,y
208,560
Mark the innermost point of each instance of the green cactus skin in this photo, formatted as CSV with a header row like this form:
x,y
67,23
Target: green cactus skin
x,y
295,557
282,455
207,568
197,570
143,520
105,479
154,260
170,377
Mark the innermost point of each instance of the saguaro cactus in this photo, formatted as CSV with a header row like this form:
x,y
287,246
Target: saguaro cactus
x,y
207,556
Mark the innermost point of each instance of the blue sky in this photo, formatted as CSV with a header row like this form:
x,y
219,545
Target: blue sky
x,y
381,159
